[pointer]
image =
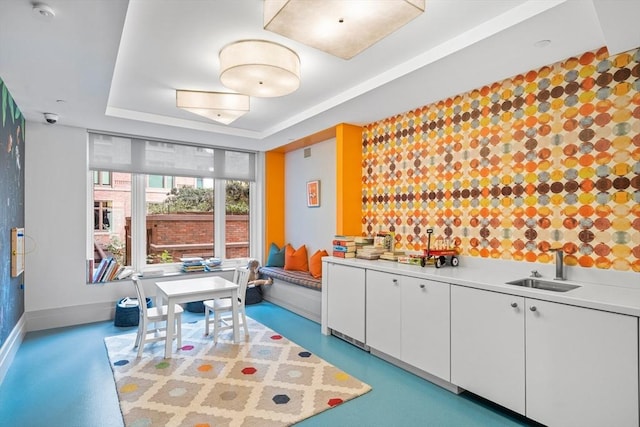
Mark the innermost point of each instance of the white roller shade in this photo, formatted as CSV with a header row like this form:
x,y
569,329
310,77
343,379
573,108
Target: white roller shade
x,y
123,154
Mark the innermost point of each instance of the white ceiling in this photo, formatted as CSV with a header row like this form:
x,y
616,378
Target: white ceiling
x,y
116,64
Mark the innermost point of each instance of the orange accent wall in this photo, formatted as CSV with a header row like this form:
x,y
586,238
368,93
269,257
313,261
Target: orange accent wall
x,y
348,182
348,179
274,200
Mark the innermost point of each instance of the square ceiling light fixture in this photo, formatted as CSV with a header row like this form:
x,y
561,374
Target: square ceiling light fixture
x,y
341,28
219,106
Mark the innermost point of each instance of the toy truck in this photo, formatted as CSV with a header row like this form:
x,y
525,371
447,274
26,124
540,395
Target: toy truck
x,y
441,254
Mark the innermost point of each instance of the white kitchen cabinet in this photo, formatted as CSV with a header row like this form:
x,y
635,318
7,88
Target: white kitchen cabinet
x,y
582,366
557,364
383,312
425,326
408,319
346,300
487,345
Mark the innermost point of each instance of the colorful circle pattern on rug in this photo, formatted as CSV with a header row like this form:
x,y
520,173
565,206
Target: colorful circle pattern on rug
x,y
549,157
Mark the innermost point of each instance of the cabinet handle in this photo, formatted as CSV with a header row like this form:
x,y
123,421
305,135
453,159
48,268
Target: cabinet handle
x,y
514,304
395,281
533,308
422,286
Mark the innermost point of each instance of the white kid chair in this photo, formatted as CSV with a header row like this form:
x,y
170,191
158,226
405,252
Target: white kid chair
x,y
222,309
151,316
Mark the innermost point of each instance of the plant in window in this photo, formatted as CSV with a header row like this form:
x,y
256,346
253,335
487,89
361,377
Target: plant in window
x,y
237,198
116,248
166,257
163,258
185,199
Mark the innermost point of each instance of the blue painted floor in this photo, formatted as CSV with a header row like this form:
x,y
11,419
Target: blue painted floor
x,y
61,377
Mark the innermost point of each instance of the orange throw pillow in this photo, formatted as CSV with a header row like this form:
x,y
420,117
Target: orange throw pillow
x,y
315,263
296,259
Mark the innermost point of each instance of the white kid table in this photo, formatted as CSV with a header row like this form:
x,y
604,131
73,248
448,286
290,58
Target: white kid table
x,y
196,289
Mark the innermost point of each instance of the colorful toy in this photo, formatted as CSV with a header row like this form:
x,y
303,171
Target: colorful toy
x,y
254,266
443,249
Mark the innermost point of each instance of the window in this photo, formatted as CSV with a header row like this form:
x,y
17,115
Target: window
x,y
111,218
101,215
102,178
159,181
179,223
160,207
237,206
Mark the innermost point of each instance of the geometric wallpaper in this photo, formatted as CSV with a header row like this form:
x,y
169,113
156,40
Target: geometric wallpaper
x,y
544,159
11,208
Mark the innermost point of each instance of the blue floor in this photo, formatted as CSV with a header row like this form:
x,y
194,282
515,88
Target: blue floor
x,y
61,377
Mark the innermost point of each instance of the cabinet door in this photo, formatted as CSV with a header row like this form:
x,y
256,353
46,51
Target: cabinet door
x,y
383,312
582,366
487,345
346,299
425,326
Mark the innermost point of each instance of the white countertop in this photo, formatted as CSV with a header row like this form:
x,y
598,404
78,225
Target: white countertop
x,y
617,292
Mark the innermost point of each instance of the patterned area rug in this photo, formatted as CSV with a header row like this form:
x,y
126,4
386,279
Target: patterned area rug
x,y
265,381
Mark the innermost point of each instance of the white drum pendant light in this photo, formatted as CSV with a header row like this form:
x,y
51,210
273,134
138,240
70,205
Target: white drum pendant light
x,y
259,68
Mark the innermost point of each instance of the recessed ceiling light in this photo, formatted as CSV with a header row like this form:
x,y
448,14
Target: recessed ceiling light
x,y
542,43
43,10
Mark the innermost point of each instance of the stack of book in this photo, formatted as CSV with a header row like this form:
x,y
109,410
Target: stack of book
x,y
193,264
363,240
344,247
369,252
391,255
109,269
213,264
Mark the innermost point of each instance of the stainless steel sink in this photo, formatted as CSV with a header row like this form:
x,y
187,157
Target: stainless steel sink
x,y
543,284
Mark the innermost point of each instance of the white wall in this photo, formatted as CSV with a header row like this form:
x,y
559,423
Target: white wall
x,y
55,225
56,293
313,227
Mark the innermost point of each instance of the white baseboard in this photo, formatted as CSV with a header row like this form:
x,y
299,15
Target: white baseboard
x,y
11,345
69,316
303,301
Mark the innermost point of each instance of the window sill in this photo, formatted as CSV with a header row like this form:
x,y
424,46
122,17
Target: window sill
x,y
172,275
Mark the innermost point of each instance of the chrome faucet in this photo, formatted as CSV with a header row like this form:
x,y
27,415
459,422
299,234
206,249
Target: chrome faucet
x,y
560,273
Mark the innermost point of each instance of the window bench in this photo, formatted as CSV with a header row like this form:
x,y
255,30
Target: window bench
x,y
296,291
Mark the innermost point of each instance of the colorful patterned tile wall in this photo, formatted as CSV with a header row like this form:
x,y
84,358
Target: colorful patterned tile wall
x,y
508,171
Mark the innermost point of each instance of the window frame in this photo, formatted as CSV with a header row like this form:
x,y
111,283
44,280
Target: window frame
x,y
102,207
98,181
167,181
139,186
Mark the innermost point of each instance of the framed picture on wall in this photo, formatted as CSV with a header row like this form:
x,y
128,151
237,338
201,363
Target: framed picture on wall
x,y
313,194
